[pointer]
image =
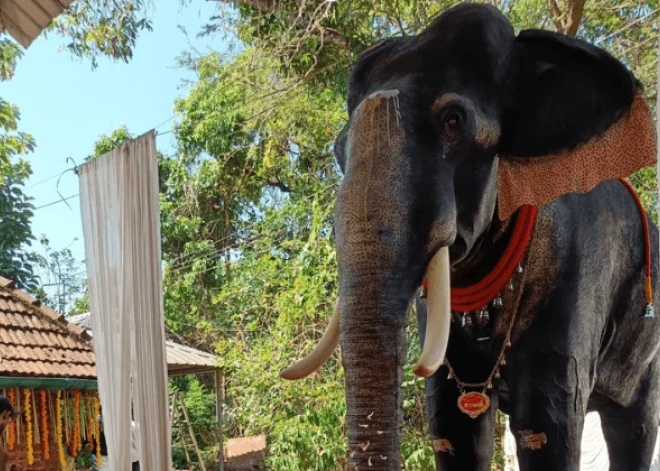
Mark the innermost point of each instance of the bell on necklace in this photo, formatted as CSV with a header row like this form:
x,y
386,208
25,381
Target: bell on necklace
x,y
519,269
510,285
468,320
463,319
649,312
497,302
503,362
497,374
484,315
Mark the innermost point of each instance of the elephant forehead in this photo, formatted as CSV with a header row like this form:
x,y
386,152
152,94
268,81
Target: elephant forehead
x,y
374,166
375,130
476,41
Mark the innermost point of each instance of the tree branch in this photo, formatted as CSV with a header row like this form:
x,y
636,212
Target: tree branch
x,y
567,22
556,15
276,183
575,12
270,6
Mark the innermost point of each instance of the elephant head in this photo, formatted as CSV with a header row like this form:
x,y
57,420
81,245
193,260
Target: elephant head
x,y
449,129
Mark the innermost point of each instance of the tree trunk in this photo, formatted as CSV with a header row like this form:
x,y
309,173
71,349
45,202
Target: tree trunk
x,y
567,20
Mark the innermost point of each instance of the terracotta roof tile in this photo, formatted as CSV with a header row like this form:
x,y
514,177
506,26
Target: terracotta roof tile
x,y
5,283
52,315
37,341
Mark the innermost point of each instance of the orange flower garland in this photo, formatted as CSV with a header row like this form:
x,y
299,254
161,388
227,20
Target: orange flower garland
x,y
27,409
75,445
45,444
97,412
58,429
91,430
12,425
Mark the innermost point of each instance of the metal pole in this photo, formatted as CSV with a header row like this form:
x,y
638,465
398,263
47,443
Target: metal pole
x,y
218,411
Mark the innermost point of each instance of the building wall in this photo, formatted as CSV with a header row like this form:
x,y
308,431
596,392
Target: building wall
x,y
18,458
253,461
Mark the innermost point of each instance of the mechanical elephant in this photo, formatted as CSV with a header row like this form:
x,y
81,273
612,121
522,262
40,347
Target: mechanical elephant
x,y
488,168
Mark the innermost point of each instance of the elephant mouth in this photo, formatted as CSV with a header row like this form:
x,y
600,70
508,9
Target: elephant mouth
x,y
437,327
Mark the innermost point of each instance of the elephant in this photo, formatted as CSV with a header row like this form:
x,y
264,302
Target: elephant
x,y
484,182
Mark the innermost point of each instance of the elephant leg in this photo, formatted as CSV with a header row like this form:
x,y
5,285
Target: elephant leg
x,y
548,405
631,432
459,442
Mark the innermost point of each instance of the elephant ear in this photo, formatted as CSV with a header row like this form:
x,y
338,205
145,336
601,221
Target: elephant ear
x,y
578,118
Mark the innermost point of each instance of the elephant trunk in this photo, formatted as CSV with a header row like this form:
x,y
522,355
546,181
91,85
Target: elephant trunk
x,y
381,263
373,353
372,317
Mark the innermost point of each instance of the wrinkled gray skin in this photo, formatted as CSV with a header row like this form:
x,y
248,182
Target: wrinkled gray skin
x,y
469,90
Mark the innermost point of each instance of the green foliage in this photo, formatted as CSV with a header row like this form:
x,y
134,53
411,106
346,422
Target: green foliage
x,y
199,400
247,225
16,262
247,204
9,55
80,304
101,28
259,126
84,459
61,278
107,143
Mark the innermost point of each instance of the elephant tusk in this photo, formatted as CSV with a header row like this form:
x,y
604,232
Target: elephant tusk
x,y
439,315
320,354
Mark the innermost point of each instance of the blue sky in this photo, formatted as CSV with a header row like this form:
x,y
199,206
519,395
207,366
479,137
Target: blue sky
x,y
67,106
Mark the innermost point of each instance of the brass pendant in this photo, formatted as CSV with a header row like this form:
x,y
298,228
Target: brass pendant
x,y
473,403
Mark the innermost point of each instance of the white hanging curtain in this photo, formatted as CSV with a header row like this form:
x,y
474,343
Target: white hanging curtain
x,y
121,225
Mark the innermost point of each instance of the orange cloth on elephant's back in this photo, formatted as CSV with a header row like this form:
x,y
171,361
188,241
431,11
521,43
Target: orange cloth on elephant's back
x,y
627,146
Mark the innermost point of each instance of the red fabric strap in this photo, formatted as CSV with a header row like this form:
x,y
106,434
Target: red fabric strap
x,y
473,297
647,241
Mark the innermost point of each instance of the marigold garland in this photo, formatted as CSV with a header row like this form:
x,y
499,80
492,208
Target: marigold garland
x,y
27,409
97,412
45,444
58,430
91,430
12,425
75,445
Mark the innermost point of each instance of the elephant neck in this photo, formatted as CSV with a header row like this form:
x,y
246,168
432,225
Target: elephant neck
x,y
481,278
497,252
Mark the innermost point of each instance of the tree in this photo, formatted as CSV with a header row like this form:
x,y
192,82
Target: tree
x,y
97,28
566,15
246,204
257,130
60,274
16,262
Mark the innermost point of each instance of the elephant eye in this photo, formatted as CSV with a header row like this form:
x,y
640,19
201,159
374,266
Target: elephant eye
x,y
453,120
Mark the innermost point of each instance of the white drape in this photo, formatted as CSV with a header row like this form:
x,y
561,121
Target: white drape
x,y
121,225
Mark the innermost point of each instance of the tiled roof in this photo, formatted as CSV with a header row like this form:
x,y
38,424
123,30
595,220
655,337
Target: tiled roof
x,y
181,359
36,341
26,19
